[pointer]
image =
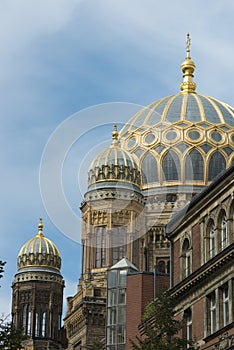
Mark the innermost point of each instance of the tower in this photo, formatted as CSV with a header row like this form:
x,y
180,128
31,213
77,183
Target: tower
x,y
111,224
37,293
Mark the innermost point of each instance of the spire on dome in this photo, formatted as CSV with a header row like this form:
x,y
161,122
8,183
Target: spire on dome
x,y
188,44
40,228
188,68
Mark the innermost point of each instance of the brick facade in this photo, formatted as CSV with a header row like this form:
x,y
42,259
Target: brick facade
x,y
203,246
140,292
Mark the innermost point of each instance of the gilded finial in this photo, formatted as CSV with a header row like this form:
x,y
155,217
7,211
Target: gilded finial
x,y
115,134
188,68
40,228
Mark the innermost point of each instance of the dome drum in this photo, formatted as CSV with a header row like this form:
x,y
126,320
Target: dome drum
x,y
114,173
39,259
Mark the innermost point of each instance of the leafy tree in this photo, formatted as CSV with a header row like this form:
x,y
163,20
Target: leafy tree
x,y
96,345
160,329
2,264
10,338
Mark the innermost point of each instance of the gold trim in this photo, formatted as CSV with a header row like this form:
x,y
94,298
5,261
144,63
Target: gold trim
x,y
38,265
216,143
201,137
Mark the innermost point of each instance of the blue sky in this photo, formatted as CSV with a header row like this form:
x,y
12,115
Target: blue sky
x,y
59,57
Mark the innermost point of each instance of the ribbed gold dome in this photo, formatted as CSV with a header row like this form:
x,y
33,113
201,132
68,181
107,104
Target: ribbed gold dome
x,y
114,164
39,251
165,134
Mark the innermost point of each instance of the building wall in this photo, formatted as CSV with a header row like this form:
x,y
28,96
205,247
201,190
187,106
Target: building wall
x,y
140,292
204,238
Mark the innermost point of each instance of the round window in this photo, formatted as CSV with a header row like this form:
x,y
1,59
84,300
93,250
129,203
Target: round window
x,y
194,135
171,135
149,138
216,136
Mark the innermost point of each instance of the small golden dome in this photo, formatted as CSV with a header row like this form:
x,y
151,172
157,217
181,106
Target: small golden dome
x,y
114,164
39,251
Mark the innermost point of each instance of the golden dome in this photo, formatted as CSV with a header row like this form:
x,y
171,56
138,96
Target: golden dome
x,y
39,252
114,164
186,125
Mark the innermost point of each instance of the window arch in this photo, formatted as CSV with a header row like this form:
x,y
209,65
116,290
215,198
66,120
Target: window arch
x,y
171,166
194,166
211,249
186,258
149,169
216,165
188,323
223,230
27,319
100,237
43,324
162,266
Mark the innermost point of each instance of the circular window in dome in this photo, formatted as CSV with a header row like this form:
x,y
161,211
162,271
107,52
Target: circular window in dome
x,y
131,143
216,136
171,136
149,138
194,135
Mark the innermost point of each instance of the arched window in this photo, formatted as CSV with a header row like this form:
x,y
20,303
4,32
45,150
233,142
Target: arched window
x,y
168,266
171,166
223,230
194,166
188,321
37,324
186,256
149,169
25,318
119,240
100,235
211,240
43,324
29,321
216,165
161,266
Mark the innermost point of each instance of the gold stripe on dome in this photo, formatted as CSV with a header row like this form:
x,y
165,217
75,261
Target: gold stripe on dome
x,y
184,107
216,108
154,105
201,109
166,108
227,107
31,245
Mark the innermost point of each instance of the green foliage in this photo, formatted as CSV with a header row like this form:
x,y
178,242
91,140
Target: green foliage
x,y
160,329
10,338
97,345
2,264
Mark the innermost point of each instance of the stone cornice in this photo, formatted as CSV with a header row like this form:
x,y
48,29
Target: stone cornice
x,y
204,272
